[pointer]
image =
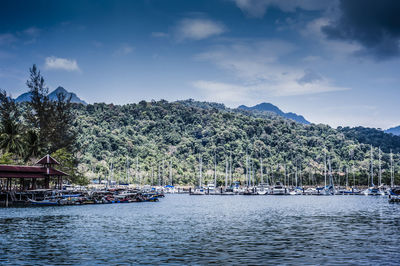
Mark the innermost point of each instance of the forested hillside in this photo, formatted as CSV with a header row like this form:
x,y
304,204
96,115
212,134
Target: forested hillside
x,y
163,142
110,138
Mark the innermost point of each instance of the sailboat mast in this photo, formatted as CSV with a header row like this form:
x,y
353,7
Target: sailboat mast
x,y
391,170
284,180
380,168
126,169
226,174
230,168
137,169
247,170
261,170
215,169
152,175
251,173
159,175
325,169
200,170
170,172
296,175
372,168
330,172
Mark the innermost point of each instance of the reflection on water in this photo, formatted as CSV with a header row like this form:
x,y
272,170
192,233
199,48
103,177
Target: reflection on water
x,y
206,229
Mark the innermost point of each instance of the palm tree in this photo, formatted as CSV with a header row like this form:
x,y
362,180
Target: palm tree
x,y
11,138
32,144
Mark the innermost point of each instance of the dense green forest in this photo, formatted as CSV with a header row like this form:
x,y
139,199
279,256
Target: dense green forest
x,y
171,136
163,142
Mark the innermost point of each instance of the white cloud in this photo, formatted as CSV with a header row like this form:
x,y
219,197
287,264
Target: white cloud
x,y
7,38
258,8
97,44
159,34
198,29
254,66
56,63
32,31
125,49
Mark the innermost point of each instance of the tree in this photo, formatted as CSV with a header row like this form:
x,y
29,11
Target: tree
x,y
11,134
40,107
63,135
52,120
68,164
32,148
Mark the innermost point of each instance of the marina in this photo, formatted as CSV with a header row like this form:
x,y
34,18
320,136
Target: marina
x,y
181,229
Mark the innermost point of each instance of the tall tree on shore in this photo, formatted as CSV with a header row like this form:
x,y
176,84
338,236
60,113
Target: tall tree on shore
x,y
52,119
63,135
40,107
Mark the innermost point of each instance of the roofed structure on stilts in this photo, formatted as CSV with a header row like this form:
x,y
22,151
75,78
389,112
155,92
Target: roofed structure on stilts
x,y
17,177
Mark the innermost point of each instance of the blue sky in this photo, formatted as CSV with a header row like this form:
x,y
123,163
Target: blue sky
x,y
335,62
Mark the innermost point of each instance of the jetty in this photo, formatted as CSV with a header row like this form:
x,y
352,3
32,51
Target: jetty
x,y
42,184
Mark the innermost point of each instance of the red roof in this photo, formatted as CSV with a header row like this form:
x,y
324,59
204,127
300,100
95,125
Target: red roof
x,y
18,171
47,160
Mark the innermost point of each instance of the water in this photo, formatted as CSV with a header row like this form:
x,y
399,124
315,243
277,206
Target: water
x,y
183,229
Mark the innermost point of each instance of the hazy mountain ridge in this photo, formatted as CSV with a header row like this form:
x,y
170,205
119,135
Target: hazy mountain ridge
x,y
268,107
26,97
394,130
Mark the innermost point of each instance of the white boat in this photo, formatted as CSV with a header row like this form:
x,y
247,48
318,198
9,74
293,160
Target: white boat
x,y
199,191
278,189
311,191
210,189
373,191
262,189
296,191
228,191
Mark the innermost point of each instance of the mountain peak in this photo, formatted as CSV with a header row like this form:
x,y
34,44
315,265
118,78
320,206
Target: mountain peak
x,y
26,97
60,90
269,107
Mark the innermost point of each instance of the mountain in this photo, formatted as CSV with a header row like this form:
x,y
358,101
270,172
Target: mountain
x,y
268,107
26,97
394,130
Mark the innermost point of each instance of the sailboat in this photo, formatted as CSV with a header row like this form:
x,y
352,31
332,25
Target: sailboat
x,y
297,190
200,190
228,189
262,188
328,189
372,190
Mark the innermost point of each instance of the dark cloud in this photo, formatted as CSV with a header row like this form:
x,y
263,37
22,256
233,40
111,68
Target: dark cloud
x,y
375,24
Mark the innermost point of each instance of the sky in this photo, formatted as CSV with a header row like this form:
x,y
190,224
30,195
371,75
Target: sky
x,y
334,62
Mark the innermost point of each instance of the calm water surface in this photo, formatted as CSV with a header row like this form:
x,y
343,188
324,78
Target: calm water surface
x,y
183,229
